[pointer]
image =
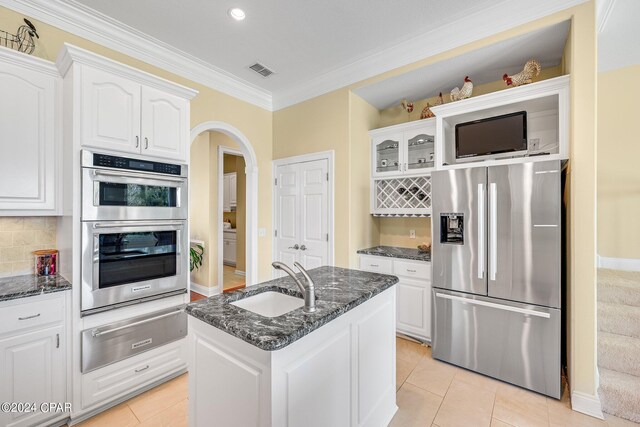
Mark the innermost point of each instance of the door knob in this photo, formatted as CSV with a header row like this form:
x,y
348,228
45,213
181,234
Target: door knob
x,y
303,248
296,247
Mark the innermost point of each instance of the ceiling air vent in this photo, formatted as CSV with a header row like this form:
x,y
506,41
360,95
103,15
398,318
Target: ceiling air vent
x,y
261,69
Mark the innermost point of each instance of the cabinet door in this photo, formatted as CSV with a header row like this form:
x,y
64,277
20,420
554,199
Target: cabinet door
x,y
232,251
33,370
386,154
419,145
164,124
414,308
29,148
110,111
233,189
226,196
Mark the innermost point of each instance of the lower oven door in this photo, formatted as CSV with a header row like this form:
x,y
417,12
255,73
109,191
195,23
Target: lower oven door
x,y
124,262
117,341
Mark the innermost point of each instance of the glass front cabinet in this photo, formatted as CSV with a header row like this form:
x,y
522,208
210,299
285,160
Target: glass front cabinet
x,y
404,152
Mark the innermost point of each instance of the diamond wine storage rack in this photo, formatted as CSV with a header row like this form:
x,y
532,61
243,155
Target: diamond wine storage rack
x,y
401,162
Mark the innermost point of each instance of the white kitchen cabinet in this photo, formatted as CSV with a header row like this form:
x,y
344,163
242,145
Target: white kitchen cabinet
x,y
126,110
413,295
30,130
229,247
33,358
405,149
229,188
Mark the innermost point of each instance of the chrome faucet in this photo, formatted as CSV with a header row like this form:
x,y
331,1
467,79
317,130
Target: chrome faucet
x,y
308,289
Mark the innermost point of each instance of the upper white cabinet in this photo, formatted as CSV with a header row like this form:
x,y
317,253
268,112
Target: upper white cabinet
x,y
122,109
30,130
406,149
229,189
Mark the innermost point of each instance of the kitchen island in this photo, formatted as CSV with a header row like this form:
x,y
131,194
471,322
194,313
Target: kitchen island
x,y
332,367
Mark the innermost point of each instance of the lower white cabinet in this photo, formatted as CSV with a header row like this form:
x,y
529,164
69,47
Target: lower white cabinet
x,y
33,361
229,246
229,188
413,295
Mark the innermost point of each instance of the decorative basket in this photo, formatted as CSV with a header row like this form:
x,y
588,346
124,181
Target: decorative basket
x,y
22,41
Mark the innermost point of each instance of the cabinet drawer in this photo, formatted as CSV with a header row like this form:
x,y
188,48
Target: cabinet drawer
x,y
413,269
129,375
376,264
30,314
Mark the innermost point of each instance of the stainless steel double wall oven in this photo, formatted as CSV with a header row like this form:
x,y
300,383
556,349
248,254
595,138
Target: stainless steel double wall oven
x,y
134,230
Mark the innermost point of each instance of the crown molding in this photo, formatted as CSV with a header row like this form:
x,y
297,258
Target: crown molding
x,y
27,61
501,16
603,12
72,54
70,16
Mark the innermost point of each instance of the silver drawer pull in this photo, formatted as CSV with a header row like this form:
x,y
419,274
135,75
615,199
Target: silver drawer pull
x,y
29,317
160,225
374,265
411,271
96,332
494,305
142,369
153,177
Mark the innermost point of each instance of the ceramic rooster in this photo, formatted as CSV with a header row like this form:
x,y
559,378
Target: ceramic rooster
x,y
464,92
408,106
426,112
531,70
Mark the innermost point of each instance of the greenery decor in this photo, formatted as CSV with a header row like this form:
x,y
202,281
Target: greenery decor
x,y
196,253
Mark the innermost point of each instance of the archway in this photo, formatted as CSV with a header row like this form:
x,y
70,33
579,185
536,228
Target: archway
x,y
252,196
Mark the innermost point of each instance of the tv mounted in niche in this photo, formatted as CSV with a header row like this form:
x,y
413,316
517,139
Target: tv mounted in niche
x,y
493,135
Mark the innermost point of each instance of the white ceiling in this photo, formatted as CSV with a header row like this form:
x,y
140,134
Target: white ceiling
x,y
314,47
484,65
619,34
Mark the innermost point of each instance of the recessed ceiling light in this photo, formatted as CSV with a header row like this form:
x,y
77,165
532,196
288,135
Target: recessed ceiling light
x,y
237,13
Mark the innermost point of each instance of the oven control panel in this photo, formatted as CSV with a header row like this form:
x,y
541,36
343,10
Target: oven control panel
x,y
107,161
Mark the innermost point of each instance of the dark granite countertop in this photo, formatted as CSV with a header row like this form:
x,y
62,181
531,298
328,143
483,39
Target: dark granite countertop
x,y
397,252
338,290
29,285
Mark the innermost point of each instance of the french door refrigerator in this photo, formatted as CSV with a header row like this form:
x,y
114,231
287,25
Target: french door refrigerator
x,y
497,272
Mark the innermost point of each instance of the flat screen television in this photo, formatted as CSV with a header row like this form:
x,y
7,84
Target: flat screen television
x,y
494,135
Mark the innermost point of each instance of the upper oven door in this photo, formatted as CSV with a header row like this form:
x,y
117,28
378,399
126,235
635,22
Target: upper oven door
x,y
126,261
111,195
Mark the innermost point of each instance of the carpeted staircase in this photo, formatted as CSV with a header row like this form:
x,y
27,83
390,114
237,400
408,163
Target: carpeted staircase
x,y
619,342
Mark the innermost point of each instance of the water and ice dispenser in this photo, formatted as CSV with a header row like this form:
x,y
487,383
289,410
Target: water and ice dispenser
x,y
452,228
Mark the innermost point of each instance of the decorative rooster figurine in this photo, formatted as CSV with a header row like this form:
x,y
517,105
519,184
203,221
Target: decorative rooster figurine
x,y
531,70
408,106
426,112
464,92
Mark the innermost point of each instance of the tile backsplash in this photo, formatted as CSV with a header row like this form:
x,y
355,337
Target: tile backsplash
x,y
19,237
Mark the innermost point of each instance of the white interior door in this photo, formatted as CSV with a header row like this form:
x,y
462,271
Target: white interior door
x,y
302,213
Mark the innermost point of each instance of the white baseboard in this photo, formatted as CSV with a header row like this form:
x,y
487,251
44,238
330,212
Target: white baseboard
x,y
206,291
240,273
587,404
626,264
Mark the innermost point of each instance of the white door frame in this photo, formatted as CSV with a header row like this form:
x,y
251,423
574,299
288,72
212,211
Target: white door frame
x,y
251,170
222,150
321,155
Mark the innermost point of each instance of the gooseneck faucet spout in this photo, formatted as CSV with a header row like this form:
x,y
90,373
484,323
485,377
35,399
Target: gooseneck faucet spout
x,y
307,288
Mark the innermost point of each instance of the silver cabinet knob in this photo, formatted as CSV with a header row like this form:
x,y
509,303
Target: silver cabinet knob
x,y
296,247
303,248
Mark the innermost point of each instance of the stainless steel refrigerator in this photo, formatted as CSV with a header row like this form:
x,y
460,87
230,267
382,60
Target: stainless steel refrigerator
x,y
497,272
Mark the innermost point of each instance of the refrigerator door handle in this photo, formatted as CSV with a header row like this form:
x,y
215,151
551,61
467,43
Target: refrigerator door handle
x,y
493,227
481,232
494,305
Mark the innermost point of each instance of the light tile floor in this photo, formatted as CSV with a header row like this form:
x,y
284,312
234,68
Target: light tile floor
x,y
230,279
429,393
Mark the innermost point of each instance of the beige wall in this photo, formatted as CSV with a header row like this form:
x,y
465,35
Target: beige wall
x,y
19,237
209,105
395,231
618,156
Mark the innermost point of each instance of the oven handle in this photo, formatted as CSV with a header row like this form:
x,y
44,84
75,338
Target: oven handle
x,y
155,177
96,332
158,224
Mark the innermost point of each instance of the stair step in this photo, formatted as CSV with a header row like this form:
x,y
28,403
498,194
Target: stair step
x,y
619,353
620,287
620,394
619,319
